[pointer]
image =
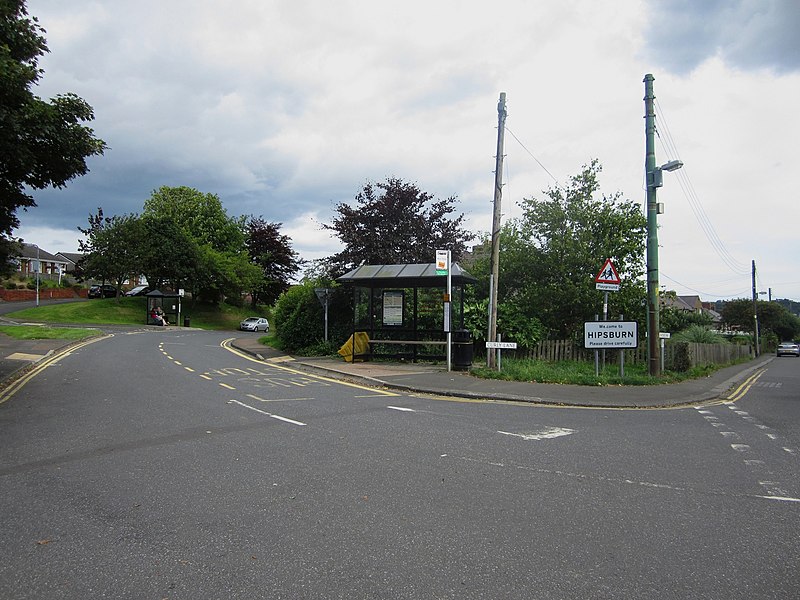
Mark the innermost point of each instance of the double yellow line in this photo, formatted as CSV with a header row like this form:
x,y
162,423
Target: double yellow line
x,y
40,366
740,391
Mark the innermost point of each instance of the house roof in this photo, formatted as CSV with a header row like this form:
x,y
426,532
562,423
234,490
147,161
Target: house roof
x,y
408,275
72,257
32,252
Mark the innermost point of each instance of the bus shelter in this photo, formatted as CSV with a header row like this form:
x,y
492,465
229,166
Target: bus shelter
x,y
169,302
399,312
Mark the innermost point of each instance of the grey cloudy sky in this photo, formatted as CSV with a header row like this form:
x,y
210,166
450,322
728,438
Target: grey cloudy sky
x,y
284,109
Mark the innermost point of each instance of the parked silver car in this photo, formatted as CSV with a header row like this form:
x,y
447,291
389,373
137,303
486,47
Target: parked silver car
x,y
788,349
254,324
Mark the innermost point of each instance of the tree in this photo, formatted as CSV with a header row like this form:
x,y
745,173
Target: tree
x,y
111,247
563,240
42,144
273,254
216,264
772,317
200,215
395,223
167,254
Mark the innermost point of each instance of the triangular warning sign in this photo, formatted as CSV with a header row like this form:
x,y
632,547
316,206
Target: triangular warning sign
x,y
608,274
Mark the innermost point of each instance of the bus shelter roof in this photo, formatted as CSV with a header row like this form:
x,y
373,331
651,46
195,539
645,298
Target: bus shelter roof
x,y
406,276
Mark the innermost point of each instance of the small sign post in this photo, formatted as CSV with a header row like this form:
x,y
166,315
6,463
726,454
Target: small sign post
x,y
499,346
607,280
323,295
443,267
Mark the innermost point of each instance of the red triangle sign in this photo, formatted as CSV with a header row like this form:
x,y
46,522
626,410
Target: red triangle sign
x,y
608,274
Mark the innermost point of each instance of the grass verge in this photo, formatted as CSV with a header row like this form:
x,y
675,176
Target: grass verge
x,y
133,311
583,373
35,332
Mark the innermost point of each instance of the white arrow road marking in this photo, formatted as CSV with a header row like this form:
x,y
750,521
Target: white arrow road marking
x,y
546,433
401,408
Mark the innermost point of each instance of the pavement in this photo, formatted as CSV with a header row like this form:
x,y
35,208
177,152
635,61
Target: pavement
x,y
427,378
19,356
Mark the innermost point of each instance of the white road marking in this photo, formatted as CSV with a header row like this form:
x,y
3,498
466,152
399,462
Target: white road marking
x,y
263,412
645,484
254,397
780,498
545,434
740,447
401,408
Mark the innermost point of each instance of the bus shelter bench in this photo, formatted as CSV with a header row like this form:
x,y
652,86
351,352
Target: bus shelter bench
x,y
411,347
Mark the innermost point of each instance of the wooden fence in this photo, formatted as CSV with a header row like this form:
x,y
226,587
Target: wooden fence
x,y
698,354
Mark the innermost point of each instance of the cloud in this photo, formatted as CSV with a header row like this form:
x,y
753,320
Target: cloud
x,y
284,109
746,34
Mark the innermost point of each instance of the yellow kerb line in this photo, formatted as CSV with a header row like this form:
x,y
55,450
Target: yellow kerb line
x,y
745,387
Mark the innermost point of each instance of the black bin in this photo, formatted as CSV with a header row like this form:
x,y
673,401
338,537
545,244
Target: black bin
x,y
186,321
462,349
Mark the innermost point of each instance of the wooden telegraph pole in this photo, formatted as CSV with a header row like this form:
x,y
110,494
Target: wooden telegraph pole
x,y
498,195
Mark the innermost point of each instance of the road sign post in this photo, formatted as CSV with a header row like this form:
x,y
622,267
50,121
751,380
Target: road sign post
x,y
499,345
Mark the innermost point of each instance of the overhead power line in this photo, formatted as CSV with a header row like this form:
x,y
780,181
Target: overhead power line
x,y
665,137
531,154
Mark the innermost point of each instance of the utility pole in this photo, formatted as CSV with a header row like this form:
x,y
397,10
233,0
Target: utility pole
x,y
498,195
755,310
653,325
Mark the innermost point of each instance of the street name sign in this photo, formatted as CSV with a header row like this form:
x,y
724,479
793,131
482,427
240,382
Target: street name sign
x,y
504,345
610,334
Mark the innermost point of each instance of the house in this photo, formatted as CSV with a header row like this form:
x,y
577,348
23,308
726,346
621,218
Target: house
x,y
51,266
72,259
691,304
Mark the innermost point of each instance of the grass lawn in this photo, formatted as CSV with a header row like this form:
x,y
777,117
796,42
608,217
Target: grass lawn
x,y
36,332
133,311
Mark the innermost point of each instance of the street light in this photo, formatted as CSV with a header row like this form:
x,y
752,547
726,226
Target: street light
x,y
38,268
654,181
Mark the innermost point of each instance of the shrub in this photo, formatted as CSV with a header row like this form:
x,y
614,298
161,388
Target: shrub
x,y
681,357
699,335
298,318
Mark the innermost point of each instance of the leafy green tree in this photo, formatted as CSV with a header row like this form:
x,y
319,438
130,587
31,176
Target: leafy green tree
x,y
199,214
167,254
111,248
216,263
772,317
272,253
566,236
395,222
42,143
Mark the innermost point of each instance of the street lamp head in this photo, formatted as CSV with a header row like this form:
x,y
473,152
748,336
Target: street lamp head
x,y
672,165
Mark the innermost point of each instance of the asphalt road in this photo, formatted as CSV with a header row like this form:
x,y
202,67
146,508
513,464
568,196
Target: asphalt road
x,y
161,464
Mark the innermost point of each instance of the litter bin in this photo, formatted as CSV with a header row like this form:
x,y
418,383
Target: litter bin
x,y
186,321
462,349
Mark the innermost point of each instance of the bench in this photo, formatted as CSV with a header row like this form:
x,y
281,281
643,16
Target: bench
x,y
414,345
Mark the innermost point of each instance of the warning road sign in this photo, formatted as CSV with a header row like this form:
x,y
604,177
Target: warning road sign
x,y
608,274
